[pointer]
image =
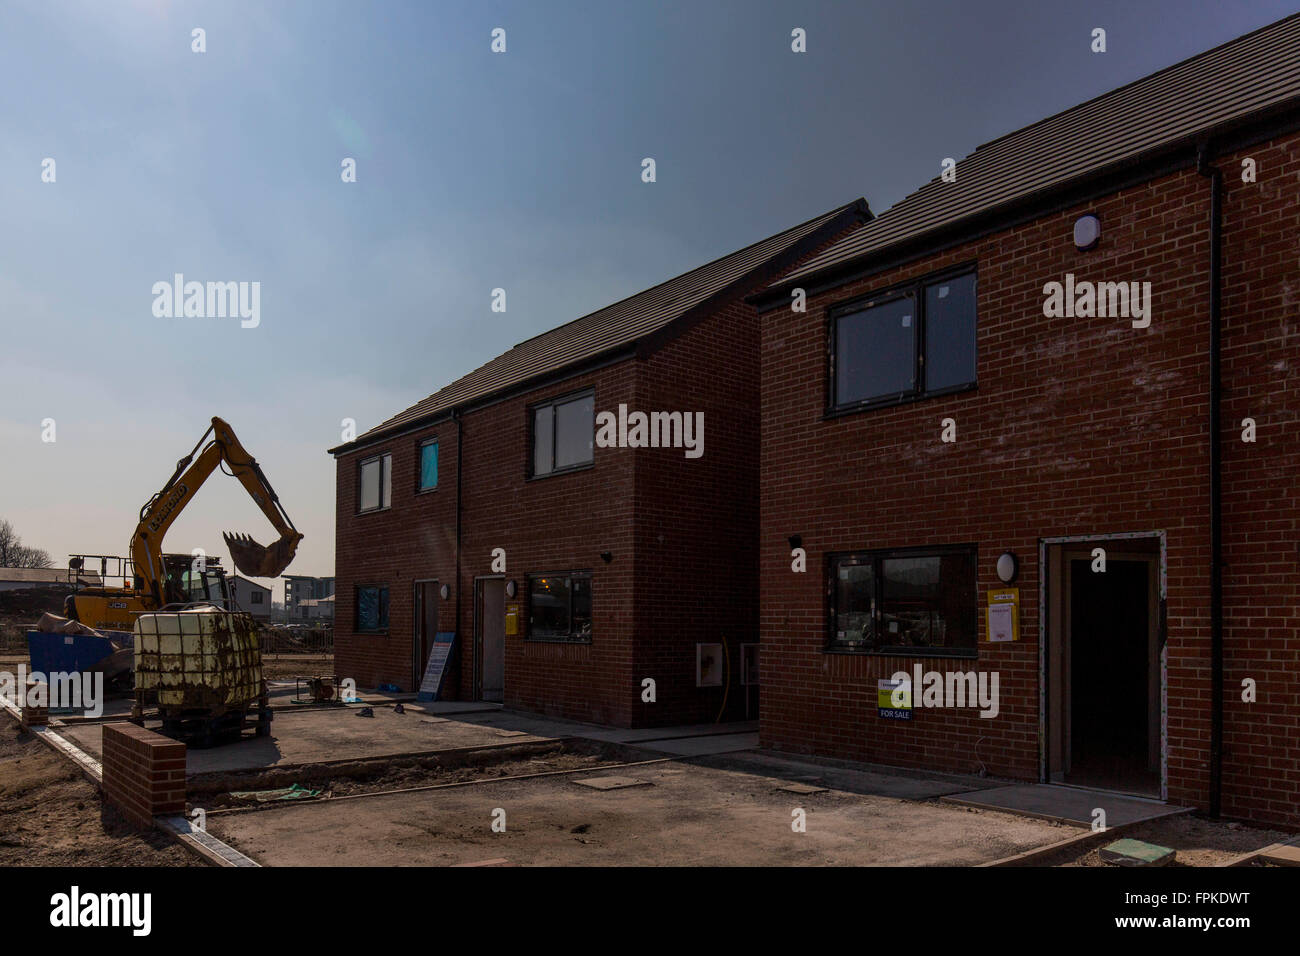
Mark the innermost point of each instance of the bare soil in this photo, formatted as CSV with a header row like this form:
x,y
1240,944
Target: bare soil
x,y
1197,840
50,815
212,791
289,666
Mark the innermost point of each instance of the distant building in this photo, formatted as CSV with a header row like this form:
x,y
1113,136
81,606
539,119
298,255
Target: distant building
x,y
11,579
246,595
299,588
316,609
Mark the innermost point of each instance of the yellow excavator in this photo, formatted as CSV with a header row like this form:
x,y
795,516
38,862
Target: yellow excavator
x,y
160,579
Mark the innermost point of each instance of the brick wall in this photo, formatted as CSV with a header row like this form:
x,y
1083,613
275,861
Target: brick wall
x,y
1078,427
144,773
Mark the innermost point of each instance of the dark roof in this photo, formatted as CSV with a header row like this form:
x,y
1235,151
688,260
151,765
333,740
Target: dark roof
x,y
624,325
1179,104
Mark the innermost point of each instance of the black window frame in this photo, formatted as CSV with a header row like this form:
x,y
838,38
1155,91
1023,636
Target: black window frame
x,y
419,465
385,458
528,607
385,596
875,557
552,404
915,289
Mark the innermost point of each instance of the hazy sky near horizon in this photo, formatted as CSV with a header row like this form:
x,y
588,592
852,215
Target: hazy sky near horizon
x,y
475,170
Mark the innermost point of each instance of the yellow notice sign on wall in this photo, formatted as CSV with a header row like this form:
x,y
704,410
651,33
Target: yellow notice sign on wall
x,y
512,620
1003,615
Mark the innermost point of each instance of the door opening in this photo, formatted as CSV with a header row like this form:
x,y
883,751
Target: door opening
x,y
1105,679
490,639
426,628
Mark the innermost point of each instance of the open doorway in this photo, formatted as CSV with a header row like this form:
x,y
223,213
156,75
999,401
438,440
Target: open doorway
x,y
490,637
1104,663
426,628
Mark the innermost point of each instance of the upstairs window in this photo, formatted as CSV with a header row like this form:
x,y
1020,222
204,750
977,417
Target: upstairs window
x,y
429,465
564,434
376,480
906,343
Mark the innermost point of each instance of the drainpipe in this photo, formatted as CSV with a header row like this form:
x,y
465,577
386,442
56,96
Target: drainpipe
x,y
455,414
1215,175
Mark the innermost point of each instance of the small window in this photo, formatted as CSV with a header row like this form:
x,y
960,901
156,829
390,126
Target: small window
x,y
372,609
563,434
559,606
916,602
256,598
429,465
914,341
376,480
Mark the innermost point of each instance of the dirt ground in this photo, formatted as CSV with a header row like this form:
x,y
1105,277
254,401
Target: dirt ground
x,y
289,666
50,815
1197,840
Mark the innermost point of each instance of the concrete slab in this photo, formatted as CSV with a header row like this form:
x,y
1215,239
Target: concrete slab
x,y
893,782
1066,804
611,783
313,735
801,788
692,815
698,746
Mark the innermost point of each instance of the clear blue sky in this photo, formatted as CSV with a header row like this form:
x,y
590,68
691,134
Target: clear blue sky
x,y
475,170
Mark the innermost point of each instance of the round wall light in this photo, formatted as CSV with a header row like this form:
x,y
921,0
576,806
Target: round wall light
x,y
1008,567
445,592
1087,232
511,588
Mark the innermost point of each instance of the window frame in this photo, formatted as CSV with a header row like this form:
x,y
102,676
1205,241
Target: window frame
x,y
385,460
383,628
419,465
553,403
876,557
528,606
916,289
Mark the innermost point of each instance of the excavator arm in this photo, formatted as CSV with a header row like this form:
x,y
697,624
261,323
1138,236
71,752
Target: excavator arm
x,y
251,558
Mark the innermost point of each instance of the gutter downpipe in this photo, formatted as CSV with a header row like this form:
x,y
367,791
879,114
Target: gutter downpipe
x,y
1215,175
455,414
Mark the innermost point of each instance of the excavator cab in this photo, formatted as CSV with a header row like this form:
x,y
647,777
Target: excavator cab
x,y
185,584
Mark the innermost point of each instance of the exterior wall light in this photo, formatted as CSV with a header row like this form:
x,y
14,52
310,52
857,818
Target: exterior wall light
x,y
1087,232
511,588
796,541
445,592
607,556
1008,567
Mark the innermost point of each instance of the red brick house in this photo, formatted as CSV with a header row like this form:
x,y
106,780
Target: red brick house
x,y
572,570
971,391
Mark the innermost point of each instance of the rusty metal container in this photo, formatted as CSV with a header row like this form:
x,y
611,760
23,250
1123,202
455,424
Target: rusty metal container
x,y
198,661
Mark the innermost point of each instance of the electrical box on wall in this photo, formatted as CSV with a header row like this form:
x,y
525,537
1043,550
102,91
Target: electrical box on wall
x,y
749,665
708,665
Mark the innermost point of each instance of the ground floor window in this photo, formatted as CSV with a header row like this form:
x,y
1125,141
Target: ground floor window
x,y
372,608
559,606
918,601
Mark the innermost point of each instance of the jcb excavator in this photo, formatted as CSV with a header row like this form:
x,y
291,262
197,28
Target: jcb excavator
x,y
158,578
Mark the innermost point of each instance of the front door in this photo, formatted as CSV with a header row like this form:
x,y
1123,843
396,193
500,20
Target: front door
x,y
492,638
426,626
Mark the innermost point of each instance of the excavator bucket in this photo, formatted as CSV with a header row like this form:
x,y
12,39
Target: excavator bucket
x,y
256,561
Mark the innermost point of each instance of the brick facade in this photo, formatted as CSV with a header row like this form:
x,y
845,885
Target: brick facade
x,y
1078,427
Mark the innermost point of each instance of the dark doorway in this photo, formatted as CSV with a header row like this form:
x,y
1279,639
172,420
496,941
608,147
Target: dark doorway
x,y
426,626
1110,667
490,624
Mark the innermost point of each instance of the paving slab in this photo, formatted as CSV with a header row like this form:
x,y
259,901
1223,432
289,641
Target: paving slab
x,y
611,783
702,745
1067,804
902,784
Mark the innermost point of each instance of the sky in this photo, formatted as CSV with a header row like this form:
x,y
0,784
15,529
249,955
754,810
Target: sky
x,y
475,170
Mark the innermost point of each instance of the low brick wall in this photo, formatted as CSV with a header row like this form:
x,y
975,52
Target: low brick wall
x,y
144,773
35,716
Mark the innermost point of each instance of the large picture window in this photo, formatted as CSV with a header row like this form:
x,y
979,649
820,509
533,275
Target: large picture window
x,y
372,608
919,602
376,483
912,341
564,434
559,606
